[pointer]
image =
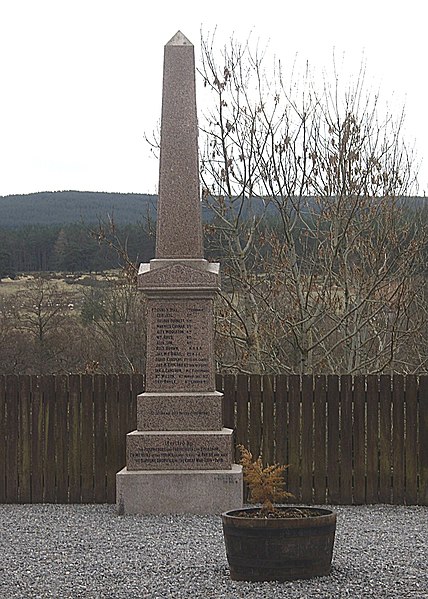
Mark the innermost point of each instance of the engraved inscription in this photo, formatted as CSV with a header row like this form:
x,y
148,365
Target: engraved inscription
x,y
180,351
179,454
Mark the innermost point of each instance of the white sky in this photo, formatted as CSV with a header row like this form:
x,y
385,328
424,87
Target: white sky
x,y
81,79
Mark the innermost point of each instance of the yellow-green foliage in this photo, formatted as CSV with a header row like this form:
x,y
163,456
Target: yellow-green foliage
x,y
266,484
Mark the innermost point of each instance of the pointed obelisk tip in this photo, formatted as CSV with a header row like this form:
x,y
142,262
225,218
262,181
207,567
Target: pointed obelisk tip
x,y
179,40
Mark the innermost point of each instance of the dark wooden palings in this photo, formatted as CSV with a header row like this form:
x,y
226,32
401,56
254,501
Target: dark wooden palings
x,y
359,438
61,438
49,449
112,415
229,401
74,444
124,425
87,439
398,439
24,475
99,439
12,445
281,421
423,440
333,439
255,415
385,433
320,437
372,439
294,435
346,439
409,450
242,408
37,443
268,444
411,472
3,455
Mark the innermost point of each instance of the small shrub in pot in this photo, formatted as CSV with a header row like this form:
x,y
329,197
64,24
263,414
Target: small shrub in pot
x,y
276,542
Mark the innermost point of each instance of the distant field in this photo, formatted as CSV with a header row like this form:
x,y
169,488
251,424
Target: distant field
x,y
71,284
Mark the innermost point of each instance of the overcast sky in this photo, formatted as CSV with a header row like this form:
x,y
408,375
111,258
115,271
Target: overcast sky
x,y
81,79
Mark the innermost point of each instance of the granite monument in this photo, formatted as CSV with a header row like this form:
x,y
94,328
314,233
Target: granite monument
x,y
180,458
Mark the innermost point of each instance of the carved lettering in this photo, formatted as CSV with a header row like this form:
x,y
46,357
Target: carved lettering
x,y
180,345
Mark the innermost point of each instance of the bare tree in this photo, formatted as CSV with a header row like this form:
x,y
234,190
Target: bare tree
x,y
115,316
43,319
323,256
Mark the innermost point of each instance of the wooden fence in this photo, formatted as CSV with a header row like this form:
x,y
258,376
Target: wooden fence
x,y
347,440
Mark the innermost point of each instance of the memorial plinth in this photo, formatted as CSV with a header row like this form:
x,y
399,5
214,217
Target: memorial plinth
x,y
180,458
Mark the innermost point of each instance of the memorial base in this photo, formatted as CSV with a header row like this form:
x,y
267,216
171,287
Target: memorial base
x,y
179,491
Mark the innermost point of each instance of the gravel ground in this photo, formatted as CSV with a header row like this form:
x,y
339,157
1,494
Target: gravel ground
x,y
88,551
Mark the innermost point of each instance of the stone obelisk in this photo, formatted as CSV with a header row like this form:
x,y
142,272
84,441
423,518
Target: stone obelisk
x,y
180,458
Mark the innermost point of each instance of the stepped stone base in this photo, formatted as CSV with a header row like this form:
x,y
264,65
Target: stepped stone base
x,y
179,411
178,492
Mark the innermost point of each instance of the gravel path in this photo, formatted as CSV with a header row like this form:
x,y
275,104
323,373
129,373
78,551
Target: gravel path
x,y
87,551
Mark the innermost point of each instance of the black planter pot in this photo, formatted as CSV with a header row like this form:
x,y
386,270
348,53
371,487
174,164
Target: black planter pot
x,y
260,549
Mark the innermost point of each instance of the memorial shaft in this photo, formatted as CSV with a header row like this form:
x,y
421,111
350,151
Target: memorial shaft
x,y
179,200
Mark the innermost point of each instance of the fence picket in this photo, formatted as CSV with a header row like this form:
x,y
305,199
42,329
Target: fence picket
x,y
24,439
241,411
397,440
281,421
61,427
87,436
307,438
112,416
37,402
268,445
124,425
255,432
294,435
411,471
49,439
333,439
11,438
229,401
359,438
137,387
423,440
320,462
99,439
346,439
372,439
385,423
74,444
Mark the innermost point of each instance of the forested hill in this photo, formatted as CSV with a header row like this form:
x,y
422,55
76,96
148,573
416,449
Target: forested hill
x,y
89,207
67,207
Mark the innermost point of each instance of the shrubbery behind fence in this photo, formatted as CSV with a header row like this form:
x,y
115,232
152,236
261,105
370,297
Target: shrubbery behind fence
x,y
346,439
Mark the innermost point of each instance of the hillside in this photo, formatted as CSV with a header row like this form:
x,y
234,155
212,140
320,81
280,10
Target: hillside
x,y
67,207
87,207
